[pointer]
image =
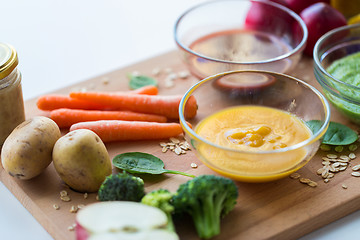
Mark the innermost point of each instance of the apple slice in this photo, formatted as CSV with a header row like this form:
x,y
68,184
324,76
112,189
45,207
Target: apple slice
x,y
122,220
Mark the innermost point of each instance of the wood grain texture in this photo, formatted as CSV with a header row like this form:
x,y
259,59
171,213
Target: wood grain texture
x,y
283,209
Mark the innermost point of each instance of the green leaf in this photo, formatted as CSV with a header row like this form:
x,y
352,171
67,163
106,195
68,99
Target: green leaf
x,y
138,81
138,162
336,134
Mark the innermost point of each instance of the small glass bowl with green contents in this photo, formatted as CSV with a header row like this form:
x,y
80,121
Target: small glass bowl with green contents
x,y
337,69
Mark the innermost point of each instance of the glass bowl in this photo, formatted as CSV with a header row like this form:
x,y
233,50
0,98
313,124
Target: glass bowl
x,y
226,35
282,93
332,46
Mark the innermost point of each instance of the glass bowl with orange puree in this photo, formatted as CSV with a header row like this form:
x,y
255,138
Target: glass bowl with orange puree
x,y
254,132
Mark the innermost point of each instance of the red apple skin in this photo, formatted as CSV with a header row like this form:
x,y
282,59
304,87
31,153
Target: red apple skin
x,y
319,19
80,232
299,5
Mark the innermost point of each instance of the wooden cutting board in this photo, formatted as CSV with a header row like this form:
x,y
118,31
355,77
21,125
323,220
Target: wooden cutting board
x,y
284,209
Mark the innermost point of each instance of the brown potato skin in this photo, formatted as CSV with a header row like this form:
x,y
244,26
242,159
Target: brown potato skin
x,y
82,160
27,151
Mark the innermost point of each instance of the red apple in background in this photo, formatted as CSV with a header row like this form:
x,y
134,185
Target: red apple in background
x,y
319,19
299,5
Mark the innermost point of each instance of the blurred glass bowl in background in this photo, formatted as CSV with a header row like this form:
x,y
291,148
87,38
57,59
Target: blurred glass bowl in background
x,y
291,96
342,88
225,35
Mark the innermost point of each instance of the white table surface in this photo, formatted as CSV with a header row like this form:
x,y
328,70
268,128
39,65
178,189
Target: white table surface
x,y
63,42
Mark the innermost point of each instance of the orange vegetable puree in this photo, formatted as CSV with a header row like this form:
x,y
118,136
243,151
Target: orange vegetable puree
x,y
253,129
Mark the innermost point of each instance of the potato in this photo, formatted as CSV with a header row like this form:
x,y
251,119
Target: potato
x,y
82,161
27,151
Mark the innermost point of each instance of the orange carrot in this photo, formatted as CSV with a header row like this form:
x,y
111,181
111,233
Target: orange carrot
x,y
65,117
56,101
147,90
118,130
162,105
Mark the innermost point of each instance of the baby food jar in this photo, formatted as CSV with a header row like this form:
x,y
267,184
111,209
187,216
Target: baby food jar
x,y
12,111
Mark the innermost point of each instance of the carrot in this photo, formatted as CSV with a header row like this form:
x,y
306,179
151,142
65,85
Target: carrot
x,y
148,90
56,101
162,105
65,117
118,130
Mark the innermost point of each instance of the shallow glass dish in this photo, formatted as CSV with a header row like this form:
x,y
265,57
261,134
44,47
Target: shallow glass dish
x,y
334,45
225,35
287,94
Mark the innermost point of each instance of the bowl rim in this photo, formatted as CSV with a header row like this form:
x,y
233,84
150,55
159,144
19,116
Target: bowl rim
x,y
295,50
316,56
314,137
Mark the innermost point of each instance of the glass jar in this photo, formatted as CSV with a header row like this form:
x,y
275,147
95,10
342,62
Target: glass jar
x,y
12,111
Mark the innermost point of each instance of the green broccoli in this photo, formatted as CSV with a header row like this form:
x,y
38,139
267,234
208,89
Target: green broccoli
x,y
121,187
161,199
207,198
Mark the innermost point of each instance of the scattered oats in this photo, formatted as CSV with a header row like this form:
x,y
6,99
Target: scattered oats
x,y
178,150
156,71
339,149
326,180
105,80
304,180
63,193
193,165
344,186
326,159
312,184
65,198
168,70
72,227
330,175
163,144
74,209
324,174
295,175
352,156
169,83
171,147
184,74
355,174
325,147
353,147
331,168
343,164
344,157
343,160
356,167
342,168
326,163
174,140
164,149
85,195
80,206
135,73
56,207
320,171
336,164
331,156
172,76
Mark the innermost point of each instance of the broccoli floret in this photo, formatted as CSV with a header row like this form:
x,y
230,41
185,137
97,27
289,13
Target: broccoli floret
x,y
207,198
121,187
161,199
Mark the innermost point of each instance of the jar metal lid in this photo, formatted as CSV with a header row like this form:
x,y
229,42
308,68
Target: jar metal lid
x,y
8,60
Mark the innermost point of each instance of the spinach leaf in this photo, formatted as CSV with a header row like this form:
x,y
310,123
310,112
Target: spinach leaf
x,y
138,162
138,81
336,134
